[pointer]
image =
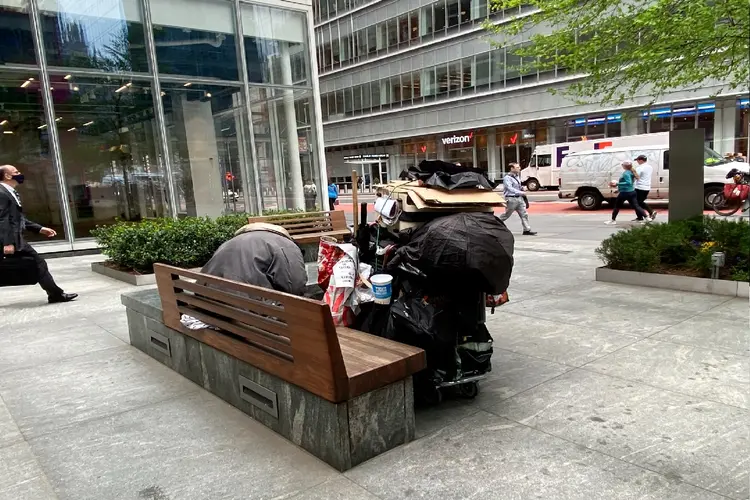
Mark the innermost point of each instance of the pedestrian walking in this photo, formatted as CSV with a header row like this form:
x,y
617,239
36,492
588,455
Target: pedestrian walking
x,y
515,199
643,185
310,191
333,194
12,225
626,192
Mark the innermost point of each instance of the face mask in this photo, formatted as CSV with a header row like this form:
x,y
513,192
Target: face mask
x,y
18,178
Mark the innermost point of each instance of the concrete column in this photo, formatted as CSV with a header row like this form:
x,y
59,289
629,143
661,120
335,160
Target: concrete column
x,y
492,159
194,125
725,126
440,149
295,166
551,134
630,124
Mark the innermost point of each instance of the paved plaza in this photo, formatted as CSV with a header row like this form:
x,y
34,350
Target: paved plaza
x,y
598,391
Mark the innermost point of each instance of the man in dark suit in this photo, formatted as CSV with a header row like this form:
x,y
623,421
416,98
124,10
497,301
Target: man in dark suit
x,y
12,225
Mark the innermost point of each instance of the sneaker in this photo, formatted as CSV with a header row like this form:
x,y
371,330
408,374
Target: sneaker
x,y
610,222
653,215
529,233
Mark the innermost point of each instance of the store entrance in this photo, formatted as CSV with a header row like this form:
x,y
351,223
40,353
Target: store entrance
x,y
371,173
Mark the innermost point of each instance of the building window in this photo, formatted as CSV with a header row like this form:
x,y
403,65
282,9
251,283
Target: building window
x,y
392,32
614,125
106,35
440,16
15,32
109,150
467,82
200,43
24,142
273,39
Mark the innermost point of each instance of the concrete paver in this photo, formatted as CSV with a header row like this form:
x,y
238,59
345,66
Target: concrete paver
x,y
597,391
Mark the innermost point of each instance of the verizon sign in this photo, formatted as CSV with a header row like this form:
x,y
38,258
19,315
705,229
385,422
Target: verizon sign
x,y
455,140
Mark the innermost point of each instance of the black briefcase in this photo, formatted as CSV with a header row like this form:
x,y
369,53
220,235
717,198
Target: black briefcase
x,y
18,270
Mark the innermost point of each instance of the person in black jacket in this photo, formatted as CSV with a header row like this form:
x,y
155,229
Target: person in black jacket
x,y
12,225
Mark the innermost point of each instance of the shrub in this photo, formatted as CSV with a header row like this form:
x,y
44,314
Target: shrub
x,y
185,242
680,246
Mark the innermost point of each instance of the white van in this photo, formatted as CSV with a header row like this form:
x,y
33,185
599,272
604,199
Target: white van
x,y
585,176
543,170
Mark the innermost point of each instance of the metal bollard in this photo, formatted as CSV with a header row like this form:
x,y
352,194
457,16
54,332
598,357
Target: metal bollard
x,y
717,259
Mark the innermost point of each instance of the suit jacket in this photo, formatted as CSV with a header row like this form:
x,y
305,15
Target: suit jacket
x,y
13,222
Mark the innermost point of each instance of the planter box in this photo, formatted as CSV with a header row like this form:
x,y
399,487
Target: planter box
x,y
131,279
674,282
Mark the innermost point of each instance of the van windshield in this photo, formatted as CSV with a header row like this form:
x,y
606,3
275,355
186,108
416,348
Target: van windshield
x,y
711,157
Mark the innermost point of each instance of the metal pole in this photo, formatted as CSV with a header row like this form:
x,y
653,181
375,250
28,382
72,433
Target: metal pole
x,y
49,112
249,109
161,122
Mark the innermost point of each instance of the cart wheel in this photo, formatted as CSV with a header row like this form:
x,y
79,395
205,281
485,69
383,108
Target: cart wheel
x,y
468,391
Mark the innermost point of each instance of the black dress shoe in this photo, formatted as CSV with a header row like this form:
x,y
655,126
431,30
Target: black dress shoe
x,y
63,297
529,233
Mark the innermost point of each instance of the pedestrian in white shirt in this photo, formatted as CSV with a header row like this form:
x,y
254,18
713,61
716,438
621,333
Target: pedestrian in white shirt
x,y
643,185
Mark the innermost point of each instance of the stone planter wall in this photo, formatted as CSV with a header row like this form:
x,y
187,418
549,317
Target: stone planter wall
x,y
673,282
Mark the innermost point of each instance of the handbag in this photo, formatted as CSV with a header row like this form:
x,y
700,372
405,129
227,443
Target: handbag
x,y
18,270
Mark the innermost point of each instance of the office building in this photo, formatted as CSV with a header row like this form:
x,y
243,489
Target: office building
x,y
135,109
407,80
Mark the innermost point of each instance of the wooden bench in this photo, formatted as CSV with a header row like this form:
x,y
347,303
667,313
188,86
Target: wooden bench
x,y
309,227
343,395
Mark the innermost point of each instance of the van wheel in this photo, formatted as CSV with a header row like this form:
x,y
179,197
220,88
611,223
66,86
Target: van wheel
x,y
709,195
532,184
589,200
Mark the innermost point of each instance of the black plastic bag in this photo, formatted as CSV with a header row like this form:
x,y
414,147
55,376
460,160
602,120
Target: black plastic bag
x,y
464,251
419,323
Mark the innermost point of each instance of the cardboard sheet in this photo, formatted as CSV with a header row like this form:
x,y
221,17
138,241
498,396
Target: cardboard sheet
x,y
425,198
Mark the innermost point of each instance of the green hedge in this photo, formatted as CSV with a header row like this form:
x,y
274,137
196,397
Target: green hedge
x,y
186,242
683,247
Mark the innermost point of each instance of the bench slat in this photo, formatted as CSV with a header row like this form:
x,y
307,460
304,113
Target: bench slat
x,y
274,331
243,302
252,341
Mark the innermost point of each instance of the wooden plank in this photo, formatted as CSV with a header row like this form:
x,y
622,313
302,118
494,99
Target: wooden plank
x,y
243,302
272,295
257,341
274,330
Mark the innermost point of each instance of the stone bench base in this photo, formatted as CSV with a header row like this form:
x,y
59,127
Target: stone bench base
x,y
341,434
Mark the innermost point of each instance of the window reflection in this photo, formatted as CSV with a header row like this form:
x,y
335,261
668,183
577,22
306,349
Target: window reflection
x,y
195,38
275,45
106,35
24,142
15,33
108,144
282,145
207,134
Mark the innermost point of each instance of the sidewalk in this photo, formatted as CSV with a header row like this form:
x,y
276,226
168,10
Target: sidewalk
x,y
597,391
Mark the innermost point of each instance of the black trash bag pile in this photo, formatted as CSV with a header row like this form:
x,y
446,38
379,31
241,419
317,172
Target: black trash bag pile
x,y
455,342
464,251
447,176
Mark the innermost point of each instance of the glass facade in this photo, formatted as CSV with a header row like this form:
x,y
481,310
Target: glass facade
x,y
465,76
135,109
348,40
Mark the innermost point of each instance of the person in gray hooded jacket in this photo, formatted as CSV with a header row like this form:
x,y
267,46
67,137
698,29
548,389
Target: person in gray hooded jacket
x,y
262,255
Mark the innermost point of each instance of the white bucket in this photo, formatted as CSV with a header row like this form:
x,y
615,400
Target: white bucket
x,y
381,288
